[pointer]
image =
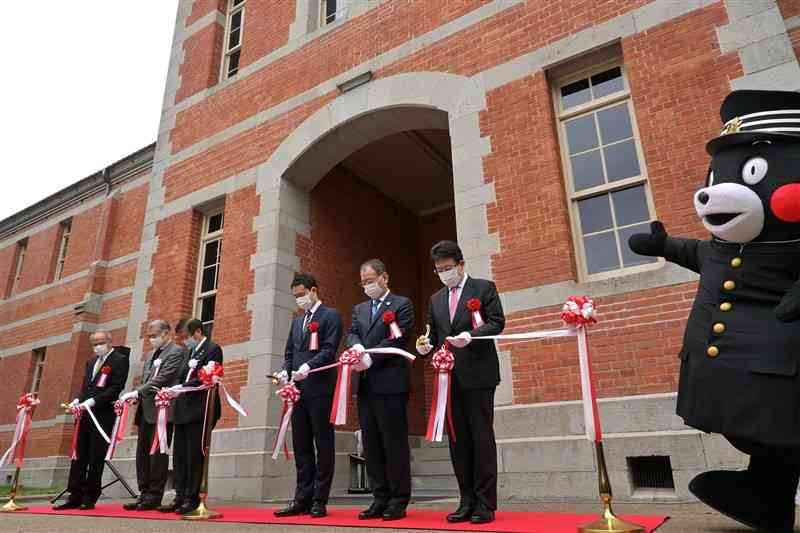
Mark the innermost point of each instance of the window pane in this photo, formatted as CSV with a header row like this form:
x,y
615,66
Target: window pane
x,y
595,214
212,253
629,258
236,21
330,10
215,223
233,41
237,2
581,134
601,252
630,206
576,93
621,161
615,124
607,82
209,282
207,309
587,170
233,64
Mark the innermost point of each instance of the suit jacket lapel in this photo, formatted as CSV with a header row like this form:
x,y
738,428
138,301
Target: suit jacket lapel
x,y
364,317
461,308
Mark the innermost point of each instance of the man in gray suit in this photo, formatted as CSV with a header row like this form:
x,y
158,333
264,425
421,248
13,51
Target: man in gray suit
x,y
161,370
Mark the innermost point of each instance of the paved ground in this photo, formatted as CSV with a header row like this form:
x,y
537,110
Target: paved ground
x,y
685,518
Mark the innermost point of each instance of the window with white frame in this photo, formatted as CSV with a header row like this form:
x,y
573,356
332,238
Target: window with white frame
x,y
22,250
66,230
233,38
208,271
331,10
606,179
38,368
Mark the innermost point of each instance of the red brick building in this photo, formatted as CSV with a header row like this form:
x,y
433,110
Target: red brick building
x,y
313,134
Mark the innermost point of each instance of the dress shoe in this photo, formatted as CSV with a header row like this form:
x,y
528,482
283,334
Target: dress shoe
x,y
87,506
293,509
394,513
375,510
187,508
318,510
171,508
462,514
132,505
67,505
482,516
148,506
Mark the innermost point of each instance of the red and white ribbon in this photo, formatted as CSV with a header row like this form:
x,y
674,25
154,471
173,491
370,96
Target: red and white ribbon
x,y
290,395
577,313
474,307
341,394
77,414
441,406
104,372
121,408
313,342
26,405
160,438
390,321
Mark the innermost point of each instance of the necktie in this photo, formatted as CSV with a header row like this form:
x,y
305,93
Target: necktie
x,y
375,305
306,320
453,303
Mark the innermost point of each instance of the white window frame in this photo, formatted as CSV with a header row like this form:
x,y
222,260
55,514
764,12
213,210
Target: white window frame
x,y
66,232
206,238
22,250
39,357
228,52
562,116
338,14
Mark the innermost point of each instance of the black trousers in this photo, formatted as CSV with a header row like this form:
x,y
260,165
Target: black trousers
x,y
311,428
187,461
86,474
474,451
151,470
384,426
775,469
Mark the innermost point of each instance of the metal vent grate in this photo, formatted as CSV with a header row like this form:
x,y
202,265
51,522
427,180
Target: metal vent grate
x,y
653,472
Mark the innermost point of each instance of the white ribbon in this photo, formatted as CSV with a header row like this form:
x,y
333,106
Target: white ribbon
x,y
281,438
157,366
97,424
392,351
182,389
440,417
192,366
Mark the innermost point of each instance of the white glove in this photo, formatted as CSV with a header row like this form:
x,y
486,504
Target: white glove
x,y
130,396
424,349
75,403
461,340
301,373
88,403
359,348
366,360
283,377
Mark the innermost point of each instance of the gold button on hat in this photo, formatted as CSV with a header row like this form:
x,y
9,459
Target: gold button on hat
x,y
725,306
736,262
712,351
719,328
729,285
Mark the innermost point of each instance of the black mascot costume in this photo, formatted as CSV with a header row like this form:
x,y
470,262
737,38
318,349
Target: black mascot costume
x,y
741,349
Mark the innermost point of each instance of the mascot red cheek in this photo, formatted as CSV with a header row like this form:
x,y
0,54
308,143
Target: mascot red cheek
x,y
741,349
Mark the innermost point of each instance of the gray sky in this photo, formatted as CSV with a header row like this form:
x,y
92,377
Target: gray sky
x,y
82,87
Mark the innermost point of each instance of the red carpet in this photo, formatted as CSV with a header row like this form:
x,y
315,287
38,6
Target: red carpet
x,y
505,522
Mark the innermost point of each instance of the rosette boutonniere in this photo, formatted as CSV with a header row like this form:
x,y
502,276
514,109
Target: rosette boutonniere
x,y
104,372
474,307
390,321
313,342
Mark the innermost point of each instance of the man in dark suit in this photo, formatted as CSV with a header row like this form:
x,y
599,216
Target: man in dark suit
x,y
311,426
104,378
188,416
383,393
475,376
161,370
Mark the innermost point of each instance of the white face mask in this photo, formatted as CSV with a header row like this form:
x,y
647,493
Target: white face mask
x,y
305,302
100,350
374,291
450,278
156,342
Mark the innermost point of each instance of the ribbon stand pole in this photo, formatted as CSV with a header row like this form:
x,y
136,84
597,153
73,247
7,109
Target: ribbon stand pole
x,y
609,523
202,512
11,506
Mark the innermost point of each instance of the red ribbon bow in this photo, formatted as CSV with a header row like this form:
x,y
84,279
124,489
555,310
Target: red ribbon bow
x,y
313,327
206,376
579,311
350,357
389,317
105,370
441,405
473,304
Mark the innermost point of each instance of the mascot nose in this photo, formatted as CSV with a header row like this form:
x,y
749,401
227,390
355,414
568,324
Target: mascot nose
x,y
702,198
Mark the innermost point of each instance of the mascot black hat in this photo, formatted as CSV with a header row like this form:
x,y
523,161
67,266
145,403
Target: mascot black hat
x,y
750,116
